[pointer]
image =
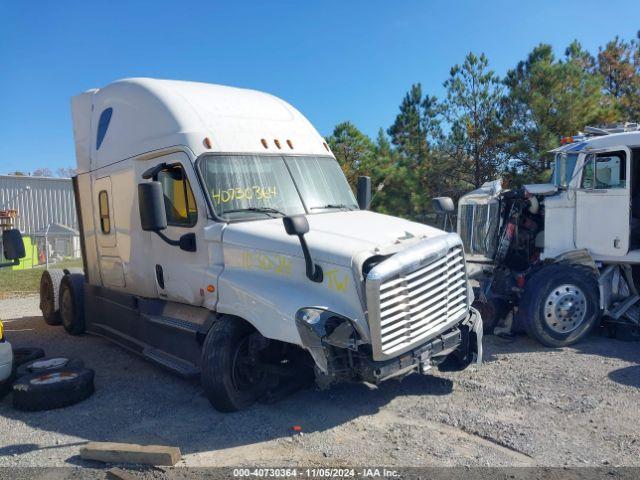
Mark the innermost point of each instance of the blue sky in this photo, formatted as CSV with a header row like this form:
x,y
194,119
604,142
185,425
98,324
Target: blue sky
x,y
334,60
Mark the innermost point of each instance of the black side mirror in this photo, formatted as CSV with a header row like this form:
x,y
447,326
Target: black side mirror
x,y
153,216
13,245
364,192
298,225
444,209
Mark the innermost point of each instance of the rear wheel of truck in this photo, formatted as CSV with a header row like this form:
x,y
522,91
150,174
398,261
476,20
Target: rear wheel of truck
x,y
560,305
229,376
49,292
71,301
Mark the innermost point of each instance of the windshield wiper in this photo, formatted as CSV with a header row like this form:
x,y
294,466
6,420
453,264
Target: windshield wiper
x,y
331,205
266,210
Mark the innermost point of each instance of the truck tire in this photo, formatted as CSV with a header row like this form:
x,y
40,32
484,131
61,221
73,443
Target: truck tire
x,y
227,379
46,391
23,355
52,364
71,301
560,305
49,292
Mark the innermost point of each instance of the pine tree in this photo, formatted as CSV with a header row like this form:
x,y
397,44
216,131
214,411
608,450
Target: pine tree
x,y
548,99
472,108
619,65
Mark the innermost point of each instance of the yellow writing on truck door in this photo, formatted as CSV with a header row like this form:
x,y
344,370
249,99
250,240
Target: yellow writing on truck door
x,y
279,264
337,281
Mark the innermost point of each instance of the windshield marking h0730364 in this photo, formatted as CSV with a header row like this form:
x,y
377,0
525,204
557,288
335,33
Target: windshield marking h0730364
x,y
242,185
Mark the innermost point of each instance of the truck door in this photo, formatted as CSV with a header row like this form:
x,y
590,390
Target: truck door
x,y
602,204
111,267
180,274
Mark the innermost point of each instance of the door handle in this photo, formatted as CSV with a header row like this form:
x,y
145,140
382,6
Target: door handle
x,y
160,276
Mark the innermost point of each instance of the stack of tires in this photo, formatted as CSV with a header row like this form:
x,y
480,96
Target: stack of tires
x,y
45,383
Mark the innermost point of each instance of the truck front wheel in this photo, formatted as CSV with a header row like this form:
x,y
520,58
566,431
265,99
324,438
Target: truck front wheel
x,y
560,305
230,377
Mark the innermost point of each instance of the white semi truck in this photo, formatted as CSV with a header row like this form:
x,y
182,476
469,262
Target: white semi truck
x,y
562,255
220,238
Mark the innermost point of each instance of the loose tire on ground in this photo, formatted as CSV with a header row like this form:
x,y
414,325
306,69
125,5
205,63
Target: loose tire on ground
x,y
46,365
46,391
23,355
49,292
560,305
71,301
229,383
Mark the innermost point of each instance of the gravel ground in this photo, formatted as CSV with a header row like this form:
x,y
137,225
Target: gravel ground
x,y
526,406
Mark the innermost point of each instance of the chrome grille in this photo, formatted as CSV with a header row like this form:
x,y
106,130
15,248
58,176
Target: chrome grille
x,y
478,227
409,305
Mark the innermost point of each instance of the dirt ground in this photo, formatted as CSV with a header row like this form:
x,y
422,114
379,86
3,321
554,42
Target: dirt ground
x,y
527,405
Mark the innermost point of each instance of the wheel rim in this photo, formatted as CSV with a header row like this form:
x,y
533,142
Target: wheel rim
x,y
57,377
242,373
565,308
48,364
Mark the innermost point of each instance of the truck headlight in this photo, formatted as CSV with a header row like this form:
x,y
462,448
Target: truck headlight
x,y
310,315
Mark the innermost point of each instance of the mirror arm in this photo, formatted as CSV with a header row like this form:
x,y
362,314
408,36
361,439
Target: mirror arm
x,y
187,242
314,271
175,243
154,171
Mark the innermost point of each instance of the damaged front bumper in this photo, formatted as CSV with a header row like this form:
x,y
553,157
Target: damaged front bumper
x,y
333,343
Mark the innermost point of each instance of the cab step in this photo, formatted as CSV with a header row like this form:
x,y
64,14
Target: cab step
x,y
174,323
176,365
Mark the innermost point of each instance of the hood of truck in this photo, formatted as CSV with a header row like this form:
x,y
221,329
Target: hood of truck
x,y
336,237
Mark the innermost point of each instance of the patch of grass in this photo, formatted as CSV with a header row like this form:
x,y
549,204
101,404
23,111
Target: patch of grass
x,y
15,283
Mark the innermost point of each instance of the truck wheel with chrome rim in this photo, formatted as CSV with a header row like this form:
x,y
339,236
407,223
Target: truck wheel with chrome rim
x,y
560,304
231,378
49,390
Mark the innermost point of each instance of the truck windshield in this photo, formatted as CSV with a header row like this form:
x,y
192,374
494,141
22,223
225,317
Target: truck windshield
x,y
563,168
257,186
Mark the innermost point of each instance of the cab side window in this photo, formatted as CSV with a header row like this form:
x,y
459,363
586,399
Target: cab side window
x,y
179,201
105,219
608,171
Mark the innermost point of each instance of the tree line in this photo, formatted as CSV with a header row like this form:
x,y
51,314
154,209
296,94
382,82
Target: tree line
x,y
61,172
487,126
